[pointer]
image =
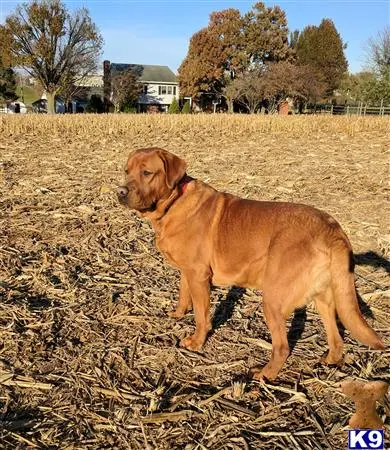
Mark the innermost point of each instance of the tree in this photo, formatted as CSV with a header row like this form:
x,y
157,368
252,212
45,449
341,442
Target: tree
x,y
322,48
186,108
294,36
214,54
232,44
377,89
7,75
273,83
285,80
174,107
202,69
69,91
371,86
266,35
124,89
378,53
7,83
5,48
95,104
310,89
247,90
54,47
352,86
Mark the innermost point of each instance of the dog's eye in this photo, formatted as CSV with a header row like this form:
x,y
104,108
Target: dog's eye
x,y
146,173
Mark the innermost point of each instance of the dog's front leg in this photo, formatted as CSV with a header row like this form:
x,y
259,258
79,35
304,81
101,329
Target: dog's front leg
x,y
185,300
199,287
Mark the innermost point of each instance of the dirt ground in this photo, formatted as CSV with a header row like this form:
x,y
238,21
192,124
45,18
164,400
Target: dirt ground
x,y
89,358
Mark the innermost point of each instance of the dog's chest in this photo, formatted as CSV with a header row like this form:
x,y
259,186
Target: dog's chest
x,y
168,251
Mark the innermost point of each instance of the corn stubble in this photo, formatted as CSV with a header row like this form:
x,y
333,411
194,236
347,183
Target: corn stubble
x,y
88,356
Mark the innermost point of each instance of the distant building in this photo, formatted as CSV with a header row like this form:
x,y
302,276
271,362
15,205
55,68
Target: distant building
x,y
93,84
160,85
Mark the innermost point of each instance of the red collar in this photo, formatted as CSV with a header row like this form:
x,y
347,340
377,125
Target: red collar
x,y
183,183
182,186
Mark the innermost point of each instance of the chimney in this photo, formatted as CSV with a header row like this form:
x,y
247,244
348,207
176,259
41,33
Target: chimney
x,y
106,84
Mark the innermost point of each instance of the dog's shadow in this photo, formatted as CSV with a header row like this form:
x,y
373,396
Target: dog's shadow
x,y
371,258
225,307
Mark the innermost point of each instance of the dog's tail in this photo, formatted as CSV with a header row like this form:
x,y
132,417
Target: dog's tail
x,y
344,292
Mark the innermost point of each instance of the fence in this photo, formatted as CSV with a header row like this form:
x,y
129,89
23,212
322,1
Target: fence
x,y
358,110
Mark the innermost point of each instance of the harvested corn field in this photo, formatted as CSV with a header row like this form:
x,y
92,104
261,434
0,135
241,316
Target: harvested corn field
x,y
89,358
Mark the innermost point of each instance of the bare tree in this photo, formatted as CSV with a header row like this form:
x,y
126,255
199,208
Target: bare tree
x,y
55,47
274,83
124,88
247,90
378,53
285,80
70,90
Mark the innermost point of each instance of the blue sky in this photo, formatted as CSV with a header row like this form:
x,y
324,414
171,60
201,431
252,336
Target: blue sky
x,y
158,31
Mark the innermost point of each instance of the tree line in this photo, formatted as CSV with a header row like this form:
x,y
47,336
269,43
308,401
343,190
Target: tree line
x,y
251,61
247,61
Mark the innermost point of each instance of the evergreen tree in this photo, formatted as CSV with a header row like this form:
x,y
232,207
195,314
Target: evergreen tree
x,y
95,104
294,36
322,48
174,107
186,108
7,83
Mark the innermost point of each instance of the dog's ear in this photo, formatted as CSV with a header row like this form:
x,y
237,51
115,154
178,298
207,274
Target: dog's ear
x,y
175,168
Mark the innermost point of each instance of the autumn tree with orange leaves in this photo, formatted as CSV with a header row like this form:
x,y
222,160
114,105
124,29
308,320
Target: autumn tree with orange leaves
x,y
231,45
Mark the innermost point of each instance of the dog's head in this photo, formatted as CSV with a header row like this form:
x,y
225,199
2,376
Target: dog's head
x,y
151,176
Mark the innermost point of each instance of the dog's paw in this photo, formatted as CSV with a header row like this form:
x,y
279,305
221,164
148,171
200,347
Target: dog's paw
x,y
264,374
256,374
191,343
176,314
328,360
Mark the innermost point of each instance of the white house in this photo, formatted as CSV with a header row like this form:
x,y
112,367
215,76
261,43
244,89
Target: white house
x,y
160,85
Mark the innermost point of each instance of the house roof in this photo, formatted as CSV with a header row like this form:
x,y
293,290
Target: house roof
x,y
91,81
146,72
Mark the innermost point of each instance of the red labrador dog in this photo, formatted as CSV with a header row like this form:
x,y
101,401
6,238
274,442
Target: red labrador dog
x,y
293,253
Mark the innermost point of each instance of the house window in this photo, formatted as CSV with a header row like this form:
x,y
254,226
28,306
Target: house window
x,y
167,90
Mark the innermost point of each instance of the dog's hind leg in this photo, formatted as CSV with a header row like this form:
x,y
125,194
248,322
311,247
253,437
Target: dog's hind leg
x,y
285,289
280,349
327,309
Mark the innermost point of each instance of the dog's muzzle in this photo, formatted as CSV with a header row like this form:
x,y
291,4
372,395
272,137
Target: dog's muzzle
x,y
122,193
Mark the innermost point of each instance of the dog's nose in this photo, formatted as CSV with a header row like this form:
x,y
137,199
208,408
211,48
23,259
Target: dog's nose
x,y
122,191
